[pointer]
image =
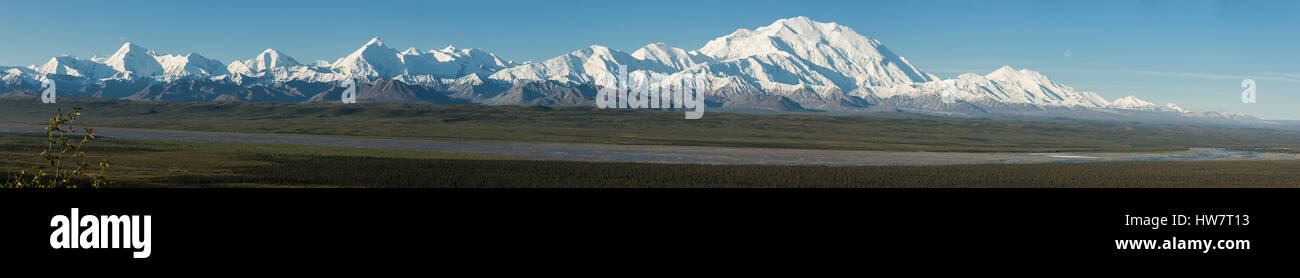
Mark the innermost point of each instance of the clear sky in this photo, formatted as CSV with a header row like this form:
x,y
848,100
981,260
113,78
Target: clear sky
x,y
1193,53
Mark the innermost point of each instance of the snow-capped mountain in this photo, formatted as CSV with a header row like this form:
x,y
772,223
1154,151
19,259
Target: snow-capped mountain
x,y
269,61
273,66
191,65
792,65
374,60
801,51
463,61
818,66
582,66
794,51
1132,102
73,66
672,57
1005,85
132,61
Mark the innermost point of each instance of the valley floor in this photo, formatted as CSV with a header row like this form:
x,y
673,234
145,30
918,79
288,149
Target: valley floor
x,y
589,125
157,144
677,154
197,163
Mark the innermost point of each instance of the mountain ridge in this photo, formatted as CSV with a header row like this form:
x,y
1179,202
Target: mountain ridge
x,y
793,65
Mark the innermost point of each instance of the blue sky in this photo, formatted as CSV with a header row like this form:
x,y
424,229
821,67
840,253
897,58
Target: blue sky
x,y
1193,53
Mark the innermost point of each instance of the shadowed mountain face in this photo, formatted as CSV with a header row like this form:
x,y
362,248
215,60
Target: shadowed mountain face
x,y
547,93
197,90
386,90
113,89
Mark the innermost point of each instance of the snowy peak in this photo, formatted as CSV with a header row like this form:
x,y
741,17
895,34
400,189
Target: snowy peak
x,y
1009,85
795,21
1024,77
192,65
672,57
816,65
376,61
1135,103
73,66
269,60
1003,73
134,60
372,60
790,53
801,45
375,42
746,43
1174,108
1132,102
581,66
472,56
782,36
128,48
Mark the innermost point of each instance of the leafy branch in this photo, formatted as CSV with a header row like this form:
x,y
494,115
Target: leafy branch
x,y
61,146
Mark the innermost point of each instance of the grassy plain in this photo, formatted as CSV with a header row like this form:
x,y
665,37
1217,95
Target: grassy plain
x,y
590,125
151,163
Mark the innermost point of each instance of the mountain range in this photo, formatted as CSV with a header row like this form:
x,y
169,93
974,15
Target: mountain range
x,y
794,65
